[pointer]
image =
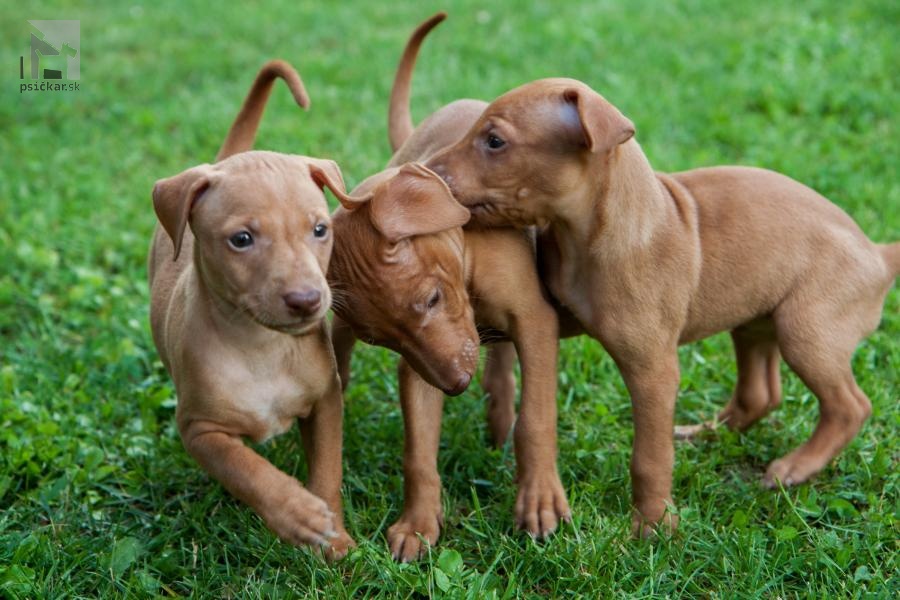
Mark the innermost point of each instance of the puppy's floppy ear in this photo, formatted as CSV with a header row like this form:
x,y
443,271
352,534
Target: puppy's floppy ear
x,y
327,174
415,201
602,125
174,197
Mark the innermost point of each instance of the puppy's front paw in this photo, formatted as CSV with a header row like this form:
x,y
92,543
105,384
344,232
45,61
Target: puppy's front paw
x,y
300,517
413,532
541,504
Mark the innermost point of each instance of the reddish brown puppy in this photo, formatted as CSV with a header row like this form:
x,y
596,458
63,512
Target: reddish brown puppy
x,y
647,261
407,276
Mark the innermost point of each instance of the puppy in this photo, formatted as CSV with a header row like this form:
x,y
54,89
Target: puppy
x,y
647,261
237,311
408,277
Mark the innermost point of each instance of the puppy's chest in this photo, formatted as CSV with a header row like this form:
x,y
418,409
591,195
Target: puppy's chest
x,y
281,399
274,391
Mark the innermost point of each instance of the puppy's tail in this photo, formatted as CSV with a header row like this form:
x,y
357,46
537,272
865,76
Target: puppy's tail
x,y
400,125
891,254
243,130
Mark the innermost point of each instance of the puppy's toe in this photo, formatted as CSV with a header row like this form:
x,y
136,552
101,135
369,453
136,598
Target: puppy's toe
x,y
641,529
339,547
549,522
785,471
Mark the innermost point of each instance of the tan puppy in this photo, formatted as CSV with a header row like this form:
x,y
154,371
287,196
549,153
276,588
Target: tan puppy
x,y
408,277
647,261
237,313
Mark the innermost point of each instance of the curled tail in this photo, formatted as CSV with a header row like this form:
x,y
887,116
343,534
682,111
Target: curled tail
x,y
891,254
400,125
243,130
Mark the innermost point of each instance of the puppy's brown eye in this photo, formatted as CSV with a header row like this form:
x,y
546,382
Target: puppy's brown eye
x,y
435,298
494,142
320,230
241,240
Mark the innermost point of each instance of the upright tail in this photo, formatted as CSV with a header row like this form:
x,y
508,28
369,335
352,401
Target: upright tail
x,y
400,125
243,131
891,254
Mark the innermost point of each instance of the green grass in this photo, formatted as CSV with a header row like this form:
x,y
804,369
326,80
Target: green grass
x,y
98,498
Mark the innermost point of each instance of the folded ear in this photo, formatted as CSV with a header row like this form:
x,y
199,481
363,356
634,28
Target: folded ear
x,y
327,174
174,197
415,201
602,125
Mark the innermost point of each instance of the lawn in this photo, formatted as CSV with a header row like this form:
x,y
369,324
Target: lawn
x,y
97,495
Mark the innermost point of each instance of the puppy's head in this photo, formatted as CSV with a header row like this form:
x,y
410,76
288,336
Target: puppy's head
x,y
262,230
398,273
530,150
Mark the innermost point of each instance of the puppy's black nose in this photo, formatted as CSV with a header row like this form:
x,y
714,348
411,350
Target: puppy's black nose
x,y
304,302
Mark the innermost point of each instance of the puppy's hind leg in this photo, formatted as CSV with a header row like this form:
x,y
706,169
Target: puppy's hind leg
x,y
499,382
758,389
819,349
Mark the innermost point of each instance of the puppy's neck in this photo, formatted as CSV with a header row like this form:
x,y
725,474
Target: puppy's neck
x,y
634,206
619,211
